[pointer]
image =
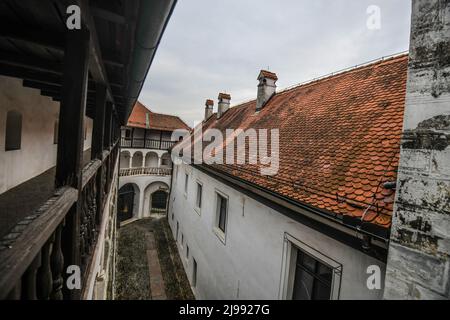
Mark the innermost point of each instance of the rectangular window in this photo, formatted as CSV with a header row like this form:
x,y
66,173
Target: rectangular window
x,y
198,202
127,133
307,273
222,207
194,273
186,180
187,251
312,279
178,228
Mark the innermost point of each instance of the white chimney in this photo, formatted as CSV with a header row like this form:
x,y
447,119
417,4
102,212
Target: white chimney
x,y
266,88
224,104
208,109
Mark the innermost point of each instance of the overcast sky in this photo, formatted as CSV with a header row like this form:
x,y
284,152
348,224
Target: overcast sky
x,y
211,46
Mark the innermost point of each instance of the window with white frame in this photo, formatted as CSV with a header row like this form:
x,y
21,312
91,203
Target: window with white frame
x,y
194,273
186,182
220,227
308,273
198,200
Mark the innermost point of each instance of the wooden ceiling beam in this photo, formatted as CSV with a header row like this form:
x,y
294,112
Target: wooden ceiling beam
x,y
49,40
108,15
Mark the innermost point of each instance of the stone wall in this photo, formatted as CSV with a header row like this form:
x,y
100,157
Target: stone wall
x,y
418,263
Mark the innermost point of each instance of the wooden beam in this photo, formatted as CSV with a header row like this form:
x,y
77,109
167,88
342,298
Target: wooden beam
x,y
27,74
98,130
96,65
108,125
113,62
108,15
30,63
71,140
48,40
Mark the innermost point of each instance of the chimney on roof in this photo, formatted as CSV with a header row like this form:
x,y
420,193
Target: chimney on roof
x,y
208,108
266,88
224,104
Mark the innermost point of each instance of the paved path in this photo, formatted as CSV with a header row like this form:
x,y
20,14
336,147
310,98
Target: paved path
x,y
148,264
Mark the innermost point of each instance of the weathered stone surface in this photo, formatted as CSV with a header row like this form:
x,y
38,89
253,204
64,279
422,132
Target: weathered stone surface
x,y
418,262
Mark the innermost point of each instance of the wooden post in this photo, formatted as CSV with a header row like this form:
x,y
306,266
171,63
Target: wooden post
x,y
98,130
108,126
97,145
70,139
145,138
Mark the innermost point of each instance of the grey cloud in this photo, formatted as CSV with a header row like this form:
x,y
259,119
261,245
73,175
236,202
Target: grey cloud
x,y
211,46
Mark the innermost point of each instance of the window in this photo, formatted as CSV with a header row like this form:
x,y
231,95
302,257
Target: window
x,y
13,135
308,274
198,201
178,228
312,279
186,180
127,133
220,227
194,273
222,212
182,239
164,161
187,252
55,132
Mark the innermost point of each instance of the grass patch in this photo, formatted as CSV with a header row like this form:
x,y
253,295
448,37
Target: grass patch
x,y
132,276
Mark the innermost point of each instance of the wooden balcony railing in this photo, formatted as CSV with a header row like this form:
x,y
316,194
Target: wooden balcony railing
x,y
146,143
125,172
32,262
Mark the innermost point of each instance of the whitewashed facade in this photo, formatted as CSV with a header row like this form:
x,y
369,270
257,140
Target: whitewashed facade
x,y
254,258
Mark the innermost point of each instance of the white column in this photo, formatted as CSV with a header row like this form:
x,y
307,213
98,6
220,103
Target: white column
x,y
141,204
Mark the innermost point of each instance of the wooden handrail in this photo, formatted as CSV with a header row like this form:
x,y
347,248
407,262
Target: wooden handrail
x,y
31,257
89,170
15,259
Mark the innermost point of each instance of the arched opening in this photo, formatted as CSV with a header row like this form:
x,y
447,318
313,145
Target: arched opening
x,y
155,199
166,161
159,201
137,160
13,134
125,159
128,202
151,160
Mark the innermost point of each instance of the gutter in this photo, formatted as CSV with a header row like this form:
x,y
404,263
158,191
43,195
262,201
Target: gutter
x,y
315,218
149,31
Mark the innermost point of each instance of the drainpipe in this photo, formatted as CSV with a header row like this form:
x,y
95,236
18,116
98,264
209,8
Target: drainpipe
x,y
151,24
170,189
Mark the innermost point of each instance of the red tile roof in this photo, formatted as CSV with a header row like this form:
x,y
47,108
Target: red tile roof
x,y
224,96
267,74
157,121
339,140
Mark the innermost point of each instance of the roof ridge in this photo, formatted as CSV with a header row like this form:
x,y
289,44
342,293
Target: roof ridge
x,y
357,67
